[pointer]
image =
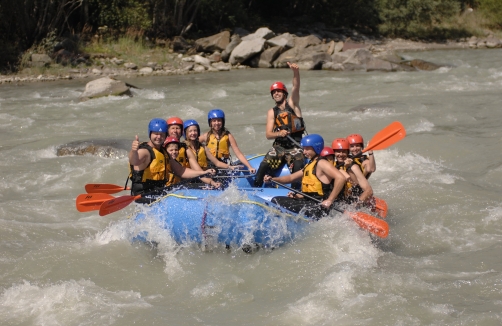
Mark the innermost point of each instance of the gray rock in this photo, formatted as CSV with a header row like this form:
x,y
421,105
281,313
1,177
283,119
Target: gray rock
x,y
202,61
221,66
303,42
40,60
217,42
338,47
245,50
493,42
199,68
234,41
109,148
332,66
262,32
265,59
105,86
424,65
286,40
131,66
146,70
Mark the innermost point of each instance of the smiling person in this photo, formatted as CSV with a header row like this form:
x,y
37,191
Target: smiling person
x,y
285,126
219,140
150,164
358,191
319,179
366,163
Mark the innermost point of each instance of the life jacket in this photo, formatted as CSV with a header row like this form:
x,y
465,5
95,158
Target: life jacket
x,y
220,148
311,185
154,175
287,120
200,155
182,156
359,159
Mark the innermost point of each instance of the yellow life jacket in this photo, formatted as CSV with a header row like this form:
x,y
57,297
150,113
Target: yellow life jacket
x,y
311,185
200,155
220,148
183,157
287,120
154,175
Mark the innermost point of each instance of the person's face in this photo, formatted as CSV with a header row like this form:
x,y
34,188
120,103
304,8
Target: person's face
x,y
192,133
172,150
216,123
355,148
278,95
157,138
174,131
341,155
309,152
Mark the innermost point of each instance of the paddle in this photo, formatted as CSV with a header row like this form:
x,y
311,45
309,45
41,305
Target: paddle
x,y
374,225
387,136
91,202
115,204
381,207
104,188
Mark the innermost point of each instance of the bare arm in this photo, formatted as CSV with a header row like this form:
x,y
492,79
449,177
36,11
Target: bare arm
x,y
285,178
361,180
294,99
214,160
186,173
331,172
194,165
139,158
371,166
239,154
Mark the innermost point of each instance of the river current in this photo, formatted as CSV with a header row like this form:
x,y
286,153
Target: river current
x,y
441,264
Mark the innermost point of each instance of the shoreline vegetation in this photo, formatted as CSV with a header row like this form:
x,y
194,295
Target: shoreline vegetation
x,y
130,38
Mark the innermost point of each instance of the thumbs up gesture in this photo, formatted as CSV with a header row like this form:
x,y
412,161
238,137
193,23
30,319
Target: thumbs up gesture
x,y
135,144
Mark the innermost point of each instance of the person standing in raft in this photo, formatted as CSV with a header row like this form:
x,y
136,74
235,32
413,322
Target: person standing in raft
x,y
150,164
285,125
366,163
219,140
358,191
319,179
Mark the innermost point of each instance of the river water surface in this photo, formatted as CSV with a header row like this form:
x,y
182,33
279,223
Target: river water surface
x,y
441,264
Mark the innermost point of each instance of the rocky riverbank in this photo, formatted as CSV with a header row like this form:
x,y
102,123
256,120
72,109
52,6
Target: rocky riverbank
x,y
320,48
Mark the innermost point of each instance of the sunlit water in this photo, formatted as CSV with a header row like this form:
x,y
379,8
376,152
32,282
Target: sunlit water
x,y
441,264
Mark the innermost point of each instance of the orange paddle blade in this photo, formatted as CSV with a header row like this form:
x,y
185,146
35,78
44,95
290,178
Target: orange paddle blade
x,y
376,226
381,207
91,202
103,188
387,136
116,204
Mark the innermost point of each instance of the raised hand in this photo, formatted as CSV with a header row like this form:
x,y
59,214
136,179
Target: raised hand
x,y
135,144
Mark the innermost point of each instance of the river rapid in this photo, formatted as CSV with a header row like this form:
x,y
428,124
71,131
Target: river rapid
x,y
441,264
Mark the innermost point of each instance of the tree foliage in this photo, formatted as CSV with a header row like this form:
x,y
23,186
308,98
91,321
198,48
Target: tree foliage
x,y
493,10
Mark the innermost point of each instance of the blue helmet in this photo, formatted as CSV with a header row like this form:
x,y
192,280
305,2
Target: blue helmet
x,y
189,123
314,140
215,114
157,125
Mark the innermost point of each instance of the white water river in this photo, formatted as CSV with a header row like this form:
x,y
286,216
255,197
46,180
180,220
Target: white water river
x,y
441,264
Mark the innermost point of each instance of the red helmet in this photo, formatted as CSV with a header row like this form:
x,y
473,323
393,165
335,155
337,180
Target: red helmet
x,y
175,121
340,143
355,139
170,140
326,151
280,86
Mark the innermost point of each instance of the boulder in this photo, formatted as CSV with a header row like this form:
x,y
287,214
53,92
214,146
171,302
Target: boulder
x,y
40,60
180,45
221,66
348,45
265,59
246,49
493,42
262,32
473,41
286,41
309,40
113,148
146,70
210,44
234,41
390,56
205,62
130,65
424,65
104,87
332,66
199,68
310,58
